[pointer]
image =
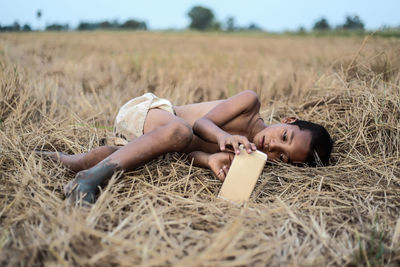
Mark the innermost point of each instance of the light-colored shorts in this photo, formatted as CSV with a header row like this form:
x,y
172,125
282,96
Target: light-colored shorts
x,y
130,119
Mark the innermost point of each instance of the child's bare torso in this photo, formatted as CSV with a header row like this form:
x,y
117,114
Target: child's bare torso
x,y
192,112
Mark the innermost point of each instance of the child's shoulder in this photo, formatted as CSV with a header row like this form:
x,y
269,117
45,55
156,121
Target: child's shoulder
x,y
246,100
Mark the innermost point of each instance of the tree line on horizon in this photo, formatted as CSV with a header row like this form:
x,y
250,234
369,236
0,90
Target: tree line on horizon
x,y
130,24
351,23
202,19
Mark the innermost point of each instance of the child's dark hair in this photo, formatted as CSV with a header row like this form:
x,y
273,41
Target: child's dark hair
x,y
321,143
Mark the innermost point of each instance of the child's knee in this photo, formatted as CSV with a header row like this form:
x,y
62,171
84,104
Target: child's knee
x,y
181,133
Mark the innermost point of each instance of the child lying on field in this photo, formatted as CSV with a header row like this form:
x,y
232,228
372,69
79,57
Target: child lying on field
x,y
209,132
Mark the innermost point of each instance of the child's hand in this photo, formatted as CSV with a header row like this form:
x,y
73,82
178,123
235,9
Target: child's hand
x,y
219,163
234,141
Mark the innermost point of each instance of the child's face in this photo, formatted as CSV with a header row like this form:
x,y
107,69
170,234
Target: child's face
x,y
284,142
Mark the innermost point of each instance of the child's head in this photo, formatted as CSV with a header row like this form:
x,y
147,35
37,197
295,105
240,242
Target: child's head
x,y
321,143
295,141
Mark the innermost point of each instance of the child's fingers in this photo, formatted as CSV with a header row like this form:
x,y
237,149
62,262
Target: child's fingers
x,y
221,175
226,169
222,146
253,146
235,145
246,144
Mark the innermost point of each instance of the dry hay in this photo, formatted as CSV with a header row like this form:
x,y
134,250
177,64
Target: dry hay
x,y
62,91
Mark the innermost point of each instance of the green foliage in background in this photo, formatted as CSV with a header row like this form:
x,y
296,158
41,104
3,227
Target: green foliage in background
x,y
201,18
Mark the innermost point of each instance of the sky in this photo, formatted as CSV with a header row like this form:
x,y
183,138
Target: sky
x,y
271,15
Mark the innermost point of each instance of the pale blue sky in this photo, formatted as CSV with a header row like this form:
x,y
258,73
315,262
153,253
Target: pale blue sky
x,y
273,15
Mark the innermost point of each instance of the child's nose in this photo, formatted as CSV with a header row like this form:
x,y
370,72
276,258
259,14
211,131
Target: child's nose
x,y
273,145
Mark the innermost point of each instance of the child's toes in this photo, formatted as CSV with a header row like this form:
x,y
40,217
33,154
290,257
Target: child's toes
x,y
76,197
70,187
54,156
76,193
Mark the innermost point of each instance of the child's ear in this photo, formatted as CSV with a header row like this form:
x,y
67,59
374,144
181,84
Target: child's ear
x,y
289,120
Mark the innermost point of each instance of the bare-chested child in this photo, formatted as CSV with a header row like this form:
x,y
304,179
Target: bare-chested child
x,y
209,132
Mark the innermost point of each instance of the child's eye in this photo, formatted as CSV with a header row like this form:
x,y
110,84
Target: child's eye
x,y
281,157
284,137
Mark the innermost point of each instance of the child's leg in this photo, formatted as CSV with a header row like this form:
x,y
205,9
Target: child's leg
x,y
82,161
164,133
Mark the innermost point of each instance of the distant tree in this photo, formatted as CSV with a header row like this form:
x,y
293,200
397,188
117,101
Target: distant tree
x,y
10,28
85,26
130,24
38,14
353,23
202,18
26,28
109,24
321,25
134,25
16,27
230,24
254,27
57,27
215,25
105,25
115,24
301,30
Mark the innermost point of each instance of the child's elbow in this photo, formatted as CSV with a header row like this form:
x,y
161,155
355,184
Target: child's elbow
x,y
251,98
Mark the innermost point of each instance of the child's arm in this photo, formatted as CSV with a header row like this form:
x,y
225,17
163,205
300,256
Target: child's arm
x,y
209,126
200,158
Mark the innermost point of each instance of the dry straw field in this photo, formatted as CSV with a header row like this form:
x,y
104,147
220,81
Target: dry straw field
x,y
61,91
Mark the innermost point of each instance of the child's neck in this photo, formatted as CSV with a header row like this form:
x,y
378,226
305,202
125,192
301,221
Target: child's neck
x,y
257,127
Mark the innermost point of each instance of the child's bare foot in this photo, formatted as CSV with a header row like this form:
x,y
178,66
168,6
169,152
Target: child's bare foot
x,y
86,184
78,189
